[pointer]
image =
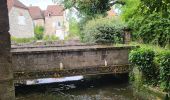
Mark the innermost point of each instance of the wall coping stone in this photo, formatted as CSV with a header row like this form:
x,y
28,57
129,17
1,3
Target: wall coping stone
x,y
69,49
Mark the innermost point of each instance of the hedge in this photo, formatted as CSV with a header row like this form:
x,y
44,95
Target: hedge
x,y
154,65
164,62
143,58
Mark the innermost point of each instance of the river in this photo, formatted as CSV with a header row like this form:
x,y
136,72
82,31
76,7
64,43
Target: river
x,y
104,87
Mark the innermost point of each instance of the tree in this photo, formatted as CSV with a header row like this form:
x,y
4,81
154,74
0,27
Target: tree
x,y
158,6
149,19
91,8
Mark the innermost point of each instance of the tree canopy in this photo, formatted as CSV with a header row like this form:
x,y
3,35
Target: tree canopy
x,y
88,7
149,19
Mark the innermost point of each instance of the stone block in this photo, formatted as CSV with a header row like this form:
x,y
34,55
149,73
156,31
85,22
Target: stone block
x,y
4,21
7,91
6,71
5,44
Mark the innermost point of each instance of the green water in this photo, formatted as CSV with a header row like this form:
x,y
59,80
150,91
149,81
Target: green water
x,y
106,87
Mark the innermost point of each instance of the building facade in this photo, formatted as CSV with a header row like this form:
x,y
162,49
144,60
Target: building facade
x,y
37,15
20,21
55,21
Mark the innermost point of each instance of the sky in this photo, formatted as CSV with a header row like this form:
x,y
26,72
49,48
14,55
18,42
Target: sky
x,y
41,3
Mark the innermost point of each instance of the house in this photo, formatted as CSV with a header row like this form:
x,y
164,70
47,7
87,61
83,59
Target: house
x,y
37,15
20,21
111,12
55,21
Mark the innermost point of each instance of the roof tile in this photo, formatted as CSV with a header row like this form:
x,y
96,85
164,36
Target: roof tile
x,y
15,3
35,12
54,10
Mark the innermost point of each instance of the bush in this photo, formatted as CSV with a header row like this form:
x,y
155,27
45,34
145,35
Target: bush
x,y
39,31
164,62
143,58
103,30
161,64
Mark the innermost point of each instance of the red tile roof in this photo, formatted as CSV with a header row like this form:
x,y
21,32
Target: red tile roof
x,y
35,12
111,13
15,3
54,10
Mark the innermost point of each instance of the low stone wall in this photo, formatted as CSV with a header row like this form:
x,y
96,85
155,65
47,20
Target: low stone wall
x,y
61,59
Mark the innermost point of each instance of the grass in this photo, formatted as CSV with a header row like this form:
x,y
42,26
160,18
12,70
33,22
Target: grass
x,y
50,38
22,40
28,40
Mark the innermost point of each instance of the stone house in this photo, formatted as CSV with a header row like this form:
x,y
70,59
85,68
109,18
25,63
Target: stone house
x,y
37,16
55,21
111,12
20,21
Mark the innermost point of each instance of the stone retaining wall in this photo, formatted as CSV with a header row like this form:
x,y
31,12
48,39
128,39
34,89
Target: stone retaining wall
x,y
69,58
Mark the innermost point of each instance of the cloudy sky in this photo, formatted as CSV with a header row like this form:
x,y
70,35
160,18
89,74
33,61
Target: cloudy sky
x,y
41,3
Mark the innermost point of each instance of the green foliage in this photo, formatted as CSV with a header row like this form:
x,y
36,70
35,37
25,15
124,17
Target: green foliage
x,y
153,29
145,7
39,32
88,7
50,38
143,58
129,9
103,30
22,40
74,29
164,62
155,6
149,19
155,62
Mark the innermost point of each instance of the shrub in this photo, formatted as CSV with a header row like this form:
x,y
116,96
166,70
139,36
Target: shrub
x,y
39,31
164,62
143,58
103,30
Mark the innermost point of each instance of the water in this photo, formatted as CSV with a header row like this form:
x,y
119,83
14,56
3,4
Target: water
x,y
106,87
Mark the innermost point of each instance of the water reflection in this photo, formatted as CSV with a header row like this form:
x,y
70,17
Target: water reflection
x,y
106,87
53,80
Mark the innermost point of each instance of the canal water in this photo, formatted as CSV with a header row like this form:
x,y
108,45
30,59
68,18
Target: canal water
x,y
104,87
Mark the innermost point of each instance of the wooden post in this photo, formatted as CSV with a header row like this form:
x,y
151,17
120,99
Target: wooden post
x,y
7,91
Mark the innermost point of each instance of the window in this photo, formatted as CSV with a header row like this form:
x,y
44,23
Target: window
x,y
59,24
21,20
49,14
